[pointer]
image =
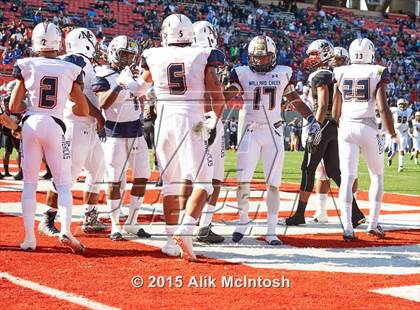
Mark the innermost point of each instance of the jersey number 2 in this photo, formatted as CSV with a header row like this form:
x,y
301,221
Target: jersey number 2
x,y
176,79
358,89
271,91
48,92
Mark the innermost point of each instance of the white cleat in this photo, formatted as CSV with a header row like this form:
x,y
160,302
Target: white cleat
x,y
400,169
171,249
28,245
273,240
186,246
72,243
319,219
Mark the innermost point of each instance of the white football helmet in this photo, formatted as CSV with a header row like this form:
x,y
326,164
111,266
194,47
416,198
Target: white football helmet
x,y
177,29
119,45
402,104
205,34
319,53
362,51
81,41
46,37
262,54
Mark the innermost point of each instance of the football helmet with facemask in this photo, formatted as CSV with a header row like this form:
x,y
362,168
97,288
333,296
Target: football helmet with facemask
x,y
262,54
205,34
46,37
362,51
402,104
122,51
82,41
319,54
177,29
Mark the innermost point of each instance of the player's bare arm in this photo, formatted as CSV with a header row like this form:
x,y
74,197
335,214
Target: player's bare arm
x,y
294,99
337,102
384,111
213,89
81,107
107,98
17,104
323,95
94,112
231,92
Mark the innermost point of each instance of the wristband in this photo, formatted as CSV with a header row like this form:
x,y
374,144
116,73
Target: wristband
x,y
311,119
117,89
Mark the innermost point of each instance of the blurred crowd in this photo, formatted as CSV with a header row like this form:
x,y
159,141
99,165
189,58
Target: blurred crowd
x,y
291,28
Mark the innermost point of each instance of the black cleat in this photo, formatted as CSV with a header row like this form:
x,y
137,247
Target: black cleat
x,y
377,232
141,233
117,236
19,176
46,225
7,174
295,220
91,223
47,175
349,236
237,236
206,235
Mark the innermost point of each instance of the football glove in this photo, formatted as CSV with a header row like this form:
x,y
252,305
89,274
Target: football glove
x,y
125,79
102,135
314,134
394,147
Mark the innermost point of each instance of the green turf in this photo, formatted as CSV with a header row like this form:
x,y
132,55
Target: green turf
x,y
406,182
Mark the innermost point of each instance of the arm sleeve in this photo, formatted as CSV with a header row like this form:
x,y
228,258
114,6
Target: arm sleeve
x,y
17,72
322,78
216,58
234,79
100,84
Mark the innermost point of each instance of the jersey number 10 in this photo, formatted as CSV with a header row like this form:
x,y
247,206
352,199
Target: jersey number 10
x,y
356,89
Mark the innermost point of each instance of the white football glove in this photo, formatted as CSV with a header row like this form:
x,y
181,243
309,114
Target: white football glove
x,y
210,123
125,78
314,134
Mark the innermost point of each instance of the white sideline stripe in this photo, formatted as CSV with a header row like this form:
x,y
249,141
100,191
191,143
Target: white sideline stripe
x,y
75,299
410,292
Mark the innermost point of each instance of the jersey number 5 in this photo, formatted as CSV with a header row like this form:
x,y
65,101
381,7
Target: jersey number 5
x,y
270,91
48,92
356,89
176,79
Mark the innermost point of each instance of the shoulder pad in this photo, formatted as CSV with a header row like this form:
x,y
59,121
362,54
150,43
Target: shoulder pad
x,y
104,71
75,59
216,58
322,77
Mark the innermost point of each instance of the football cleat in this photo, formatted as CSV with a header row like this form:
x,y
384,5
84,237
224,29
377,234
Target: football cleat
x,y
349,236
46,225
206,235
319,219
186,246
28,245
91,222
18,176
116,236
72,243
171,249
273,240
237,236
377,232
136,230
389,162
295,220
400,169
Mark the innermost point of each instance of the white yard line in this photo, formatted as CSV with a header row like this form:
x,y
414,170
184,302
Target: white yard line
x,y
410,292
72,298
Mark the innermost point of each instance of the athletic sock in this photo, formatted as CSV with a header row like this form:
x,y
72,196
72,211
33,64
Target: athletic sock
x,y
135,203
321,202
400,161
170,230
88,208
273,206
64,202
346,211
207,215
300,212
187,226
28,210
374,211
114,212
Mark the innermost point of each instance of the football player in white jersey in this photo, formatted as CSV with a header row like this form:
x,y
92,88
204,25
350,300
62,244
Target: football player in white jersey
x,y
402,122
415,133
125,143
86,151
205,35
263,84
182,74
360,88
49,82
